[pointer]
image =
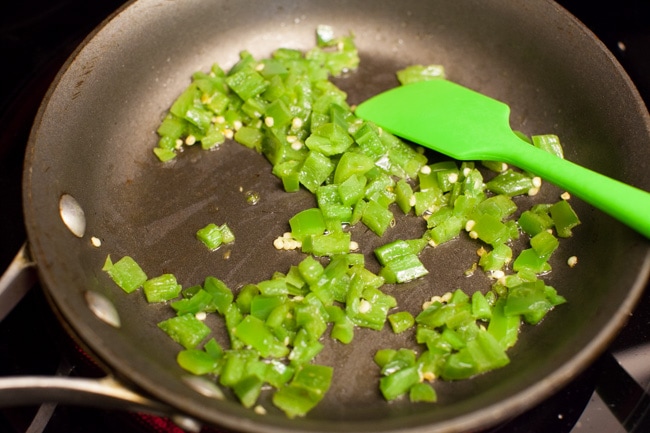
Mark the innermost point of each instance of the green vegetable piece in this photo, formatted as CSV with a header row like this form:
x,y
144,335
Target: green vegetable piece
x,y
377,218
250,137
415,73
263,305
186,330
529,260
504,328
327,244
306,223
310,269
211,236
237,366
446,230
305,348
126,273
533,223
496,259
510,183
248,390
305,391
197,361
528,300
352,189
404,195
550,143
403,269
500,206
200,301
315,169
350,164
253,332
222,295
393,250
398,383
490,229
564,217
162,288
480,307
401,321
247,83
329,139
422,392
544,244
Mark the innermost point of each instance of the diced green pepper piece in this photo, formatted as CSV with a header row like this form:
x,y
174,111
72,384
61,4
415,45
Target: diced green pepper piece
x,y
510,183
197,361
211,236
377,218
534,222
403,269
305,391
564,217
126,273
415,73
401,321
352,163
186,330
550,143
315,169
398,383
306,223
162,288
422,392
253,332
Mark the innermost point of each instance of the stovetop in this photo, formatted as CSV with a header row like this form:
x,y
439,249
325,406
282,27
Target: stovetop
x,y
37,36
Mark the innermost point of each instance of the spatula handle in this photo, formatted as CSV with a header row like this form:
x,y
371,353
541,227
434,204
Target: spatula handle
x,y
626,203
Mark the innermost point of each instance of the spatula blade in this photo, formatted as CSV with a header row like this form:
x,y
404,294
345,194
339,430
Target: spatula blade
x,y
443,116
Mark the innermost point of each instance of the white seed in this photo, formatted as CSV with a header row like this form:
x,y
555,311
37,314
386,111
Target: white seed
x,y
296,123
269,121
498,274
259,67
228,133
572,261
412,200
179,143
291,139
201,315
453,177
297,145
354,246
278,243
469,225
425,169
237,124
466,171
190,140
533,191
96,242
565,196
473,234
364,306
260,410
537,182
219,119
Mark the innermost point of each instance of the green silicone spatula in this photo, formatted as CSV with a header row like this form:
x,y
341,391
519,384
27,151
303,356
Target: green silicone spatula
x,y
468,125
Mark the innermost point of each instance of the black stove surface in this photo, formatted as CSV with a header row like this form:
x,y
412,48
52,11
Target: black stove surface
x,y
37,36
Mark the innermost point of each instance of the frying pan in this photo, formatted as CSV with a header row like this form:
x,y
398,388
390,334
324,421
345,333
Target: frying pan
x,y
91,145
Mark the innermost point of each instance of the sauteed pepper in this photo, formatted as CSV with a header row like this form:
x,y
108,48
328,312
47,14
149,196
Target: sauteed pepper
x,y
285,108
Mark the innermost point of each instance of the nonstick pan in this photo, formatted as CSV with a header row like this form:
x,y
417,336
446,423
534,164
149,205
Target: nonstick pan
x,y
91,146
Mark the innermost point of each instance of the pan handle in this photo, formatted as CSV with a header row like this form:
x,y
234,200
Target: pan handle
x,y
16,281
103,392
